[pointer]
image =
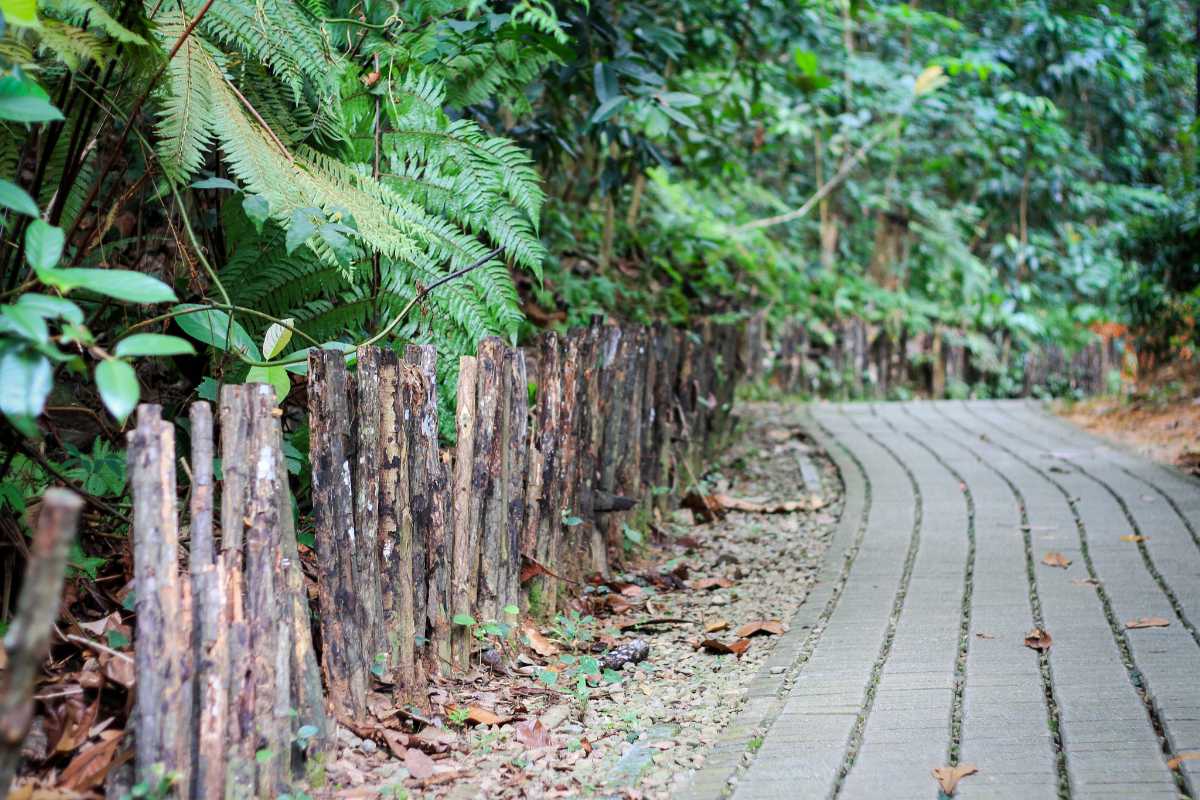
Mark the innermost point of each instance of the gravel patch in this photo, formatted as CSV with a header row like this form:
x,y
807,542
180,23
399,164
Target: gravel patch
x,y
644,730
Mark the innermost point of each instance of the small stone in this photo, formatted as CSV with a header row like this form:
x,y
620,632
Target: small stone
x,y
778,670
368,746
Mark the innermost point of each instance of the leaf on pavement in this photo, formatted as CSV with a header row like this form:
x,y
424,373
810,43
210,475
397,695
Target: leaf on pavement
x,y
1038,639
532,733
1133,537
772,627
982,635
948,777
1054,559
1148,622
1085,582
715,625
1193,755
419,765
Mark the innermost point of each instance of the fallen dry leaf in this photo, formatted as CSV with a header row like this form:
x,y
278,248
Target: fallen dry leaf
x,y
397,742
1054,559
1174,763
90,766
1038,639
1148,622
1132,537
434,738
1085,581
772,627
712,583
532,733
586,745
419,765
540,644
481,716
948,777
730,503
720,648
715,625
982,635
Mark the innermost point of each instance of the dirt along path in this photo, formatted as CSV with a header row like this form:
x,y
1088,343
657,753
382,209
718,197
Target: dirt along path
x,y
710,598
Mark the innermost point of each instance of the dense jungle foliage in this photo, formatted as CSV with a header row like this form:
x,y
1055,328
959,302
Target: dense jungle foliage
x,y
198,191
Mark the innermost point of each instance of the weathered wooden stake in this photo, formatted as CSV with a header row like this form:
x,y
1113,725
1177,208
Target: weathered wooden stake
x,y
28,638
464,548
346,656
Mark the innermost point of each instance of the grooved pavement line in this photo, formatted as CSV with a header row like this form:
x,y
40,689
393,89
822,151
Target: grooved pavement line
x,y
1006,721
908,651
1166,583
1112,728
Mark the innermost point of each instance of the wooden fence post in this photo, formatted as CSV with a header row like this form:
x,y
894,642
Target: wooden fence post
x,y
434,514
464,548
28,639
345,655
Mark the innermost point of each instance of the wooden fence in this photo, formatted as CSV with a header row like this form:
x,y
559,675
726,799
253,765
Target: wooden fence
x,y
862,359
559,446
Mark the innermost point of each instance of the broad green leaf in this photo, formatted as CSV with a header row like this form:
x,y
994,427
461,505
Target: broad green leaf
x,y
609,107
16,198
50,307
28,378
216,183
120,284
301,228
19,12
680,99
43,245
277,377
463,619
26,323
277,338
19,105
258,209
118,387
153,344
511,609
211,327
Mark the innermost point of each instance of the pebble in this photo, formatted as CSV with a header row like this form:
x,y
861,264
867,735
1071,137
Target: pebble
x,y
368,746
778,670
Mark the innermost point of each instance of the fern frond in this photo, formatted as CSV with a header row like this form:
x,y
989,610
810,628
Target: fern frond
x,y
73,46
90,14
184,131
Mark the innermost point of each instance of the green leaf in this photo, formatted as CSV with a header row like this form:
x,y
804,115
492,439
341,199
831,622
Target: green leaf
x,y
43,245
22,100
301,228
258,209
118,387
277,377
463,619
28,378
26,323
49,307
16,198
609,107
207,390
19,12
216,183
511,609
277,338
210,327
548,677
571,522
120,284
611,676
116,639
263,756
153,344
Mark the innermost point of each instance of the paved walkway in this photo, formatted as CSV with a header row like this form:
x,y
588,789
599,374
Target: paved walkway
x,y
909,653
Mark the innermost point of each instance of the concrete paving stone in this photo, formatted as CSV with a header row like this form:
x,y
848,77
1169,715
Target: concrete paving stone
x,y
915,456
